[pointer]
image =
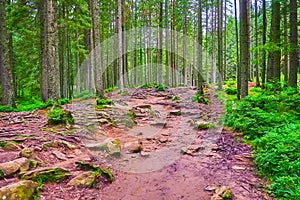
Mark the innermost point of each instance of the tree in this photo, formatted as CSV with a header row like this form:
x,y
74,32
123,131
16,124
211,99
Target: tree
x,y
264,40
199,50
49,68
274,55
294,60
96,51
6,66
220,43
244,47
120,45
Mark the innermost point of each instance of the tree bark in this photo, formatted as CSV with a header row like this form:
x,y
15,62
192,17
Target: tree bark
x,y
120,46
244,47
294,60
6,67
199,56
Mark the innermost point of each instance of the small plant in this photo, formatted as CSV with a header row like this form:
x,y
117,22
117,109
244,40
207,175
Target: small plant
x,y
59,116
175,99
148,85
231,91
63,101
160,88
110,89
102,103
200,98
3,144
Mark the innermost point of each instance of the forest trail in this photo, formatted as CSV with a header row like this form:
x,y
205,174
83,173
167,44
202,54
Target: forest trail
x,y
162,155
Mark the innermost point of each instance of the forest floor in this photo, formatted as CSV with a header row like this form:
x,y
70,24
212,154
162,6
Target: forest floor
x,y
162,155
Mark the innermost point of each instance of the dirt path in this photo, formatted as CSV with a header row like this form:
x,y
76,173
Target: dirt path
x,y
175,160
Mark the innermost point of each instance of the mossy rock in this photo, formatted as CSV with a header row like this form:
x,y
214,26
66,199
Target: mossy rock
x,y
86,179
21,190
11,167
59,116
222,193
46,175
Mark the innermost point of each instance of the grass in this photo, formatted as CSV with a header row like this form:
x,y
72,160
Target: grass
x,y
270,121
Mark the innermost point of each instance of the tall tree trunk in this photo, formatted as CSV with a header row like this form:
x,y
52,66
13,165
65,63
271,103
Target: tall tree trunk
x,y
284,60
274,55
220,43
214,67
225,42
264,40
244,44
6,67
256,45
50,74
159,44
167,42
294,60
96,50
238,66
184,43
120,47
199,54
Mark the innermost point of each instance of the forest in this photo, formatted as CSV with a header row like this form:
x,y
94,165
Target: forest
x,y
101,96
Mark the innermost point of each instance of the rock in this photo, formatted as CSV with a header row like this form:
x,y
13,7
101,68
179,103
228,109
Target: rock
x,y
103,121
134,147
11,147
222,193
148,106
77,152
68,145
53,144
46,174
175,112
59,155
84,179
191,150
163,140
201,125
11,167
238,167
114,148
21,190
210,188
26,153
163,124
145,154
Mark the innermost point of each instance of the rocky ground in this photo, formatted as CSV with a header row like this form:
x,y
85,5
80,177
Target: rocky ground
x,y
158,145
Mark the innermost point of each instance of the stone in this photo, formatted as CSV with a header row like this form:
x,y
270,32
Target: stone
x,y
68,145
9,146
53,144
238,167
84,179
46,174
162,124
148,106
114,148
26,153
163,140
201,125
222,193
77,152
21,190
175,112
11,167
134,147
59,155
191,150
145,154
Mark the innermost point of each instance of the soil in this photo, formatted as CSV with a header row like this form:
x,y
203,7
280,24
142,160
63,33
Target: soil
x,y
175,161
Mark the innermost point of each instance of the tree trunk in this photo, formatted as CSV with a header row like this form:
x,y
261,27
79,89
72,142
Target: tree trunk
x,y
256,45
294,60
6,67
120,46
50,74
238,66
220,43
274,55
264,31
199,54
244,44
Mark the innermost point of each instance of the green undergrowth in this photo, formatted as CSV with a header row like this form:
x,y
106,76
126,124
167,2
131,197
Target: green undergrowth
x,y
200,98
270,120
98,171
103,103
84,95
27,104
57,115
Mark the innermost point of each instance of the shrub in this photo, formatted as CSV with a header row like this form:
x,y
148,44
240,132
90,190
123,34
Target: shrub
x,y
231,91
200,98
59,116
160,88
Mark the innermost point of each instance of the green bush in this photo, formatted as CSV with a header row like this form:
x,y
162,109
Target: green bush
x,y
200,98
160,88
231,91
63,101
59,116
271,120
110,89
148,85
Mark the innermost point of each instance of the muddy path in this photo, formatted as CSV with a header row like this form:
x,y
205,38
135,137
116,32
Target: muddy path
x,y
159,154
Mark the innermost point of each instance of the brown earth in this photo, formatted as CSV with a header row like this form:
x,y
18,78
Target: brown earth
x,y
176,162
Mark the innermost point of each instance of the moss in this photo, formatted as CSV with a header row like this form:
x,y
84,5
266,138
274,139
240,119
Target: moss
x,y
59,116
3,144
98,171
49,175
1,174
